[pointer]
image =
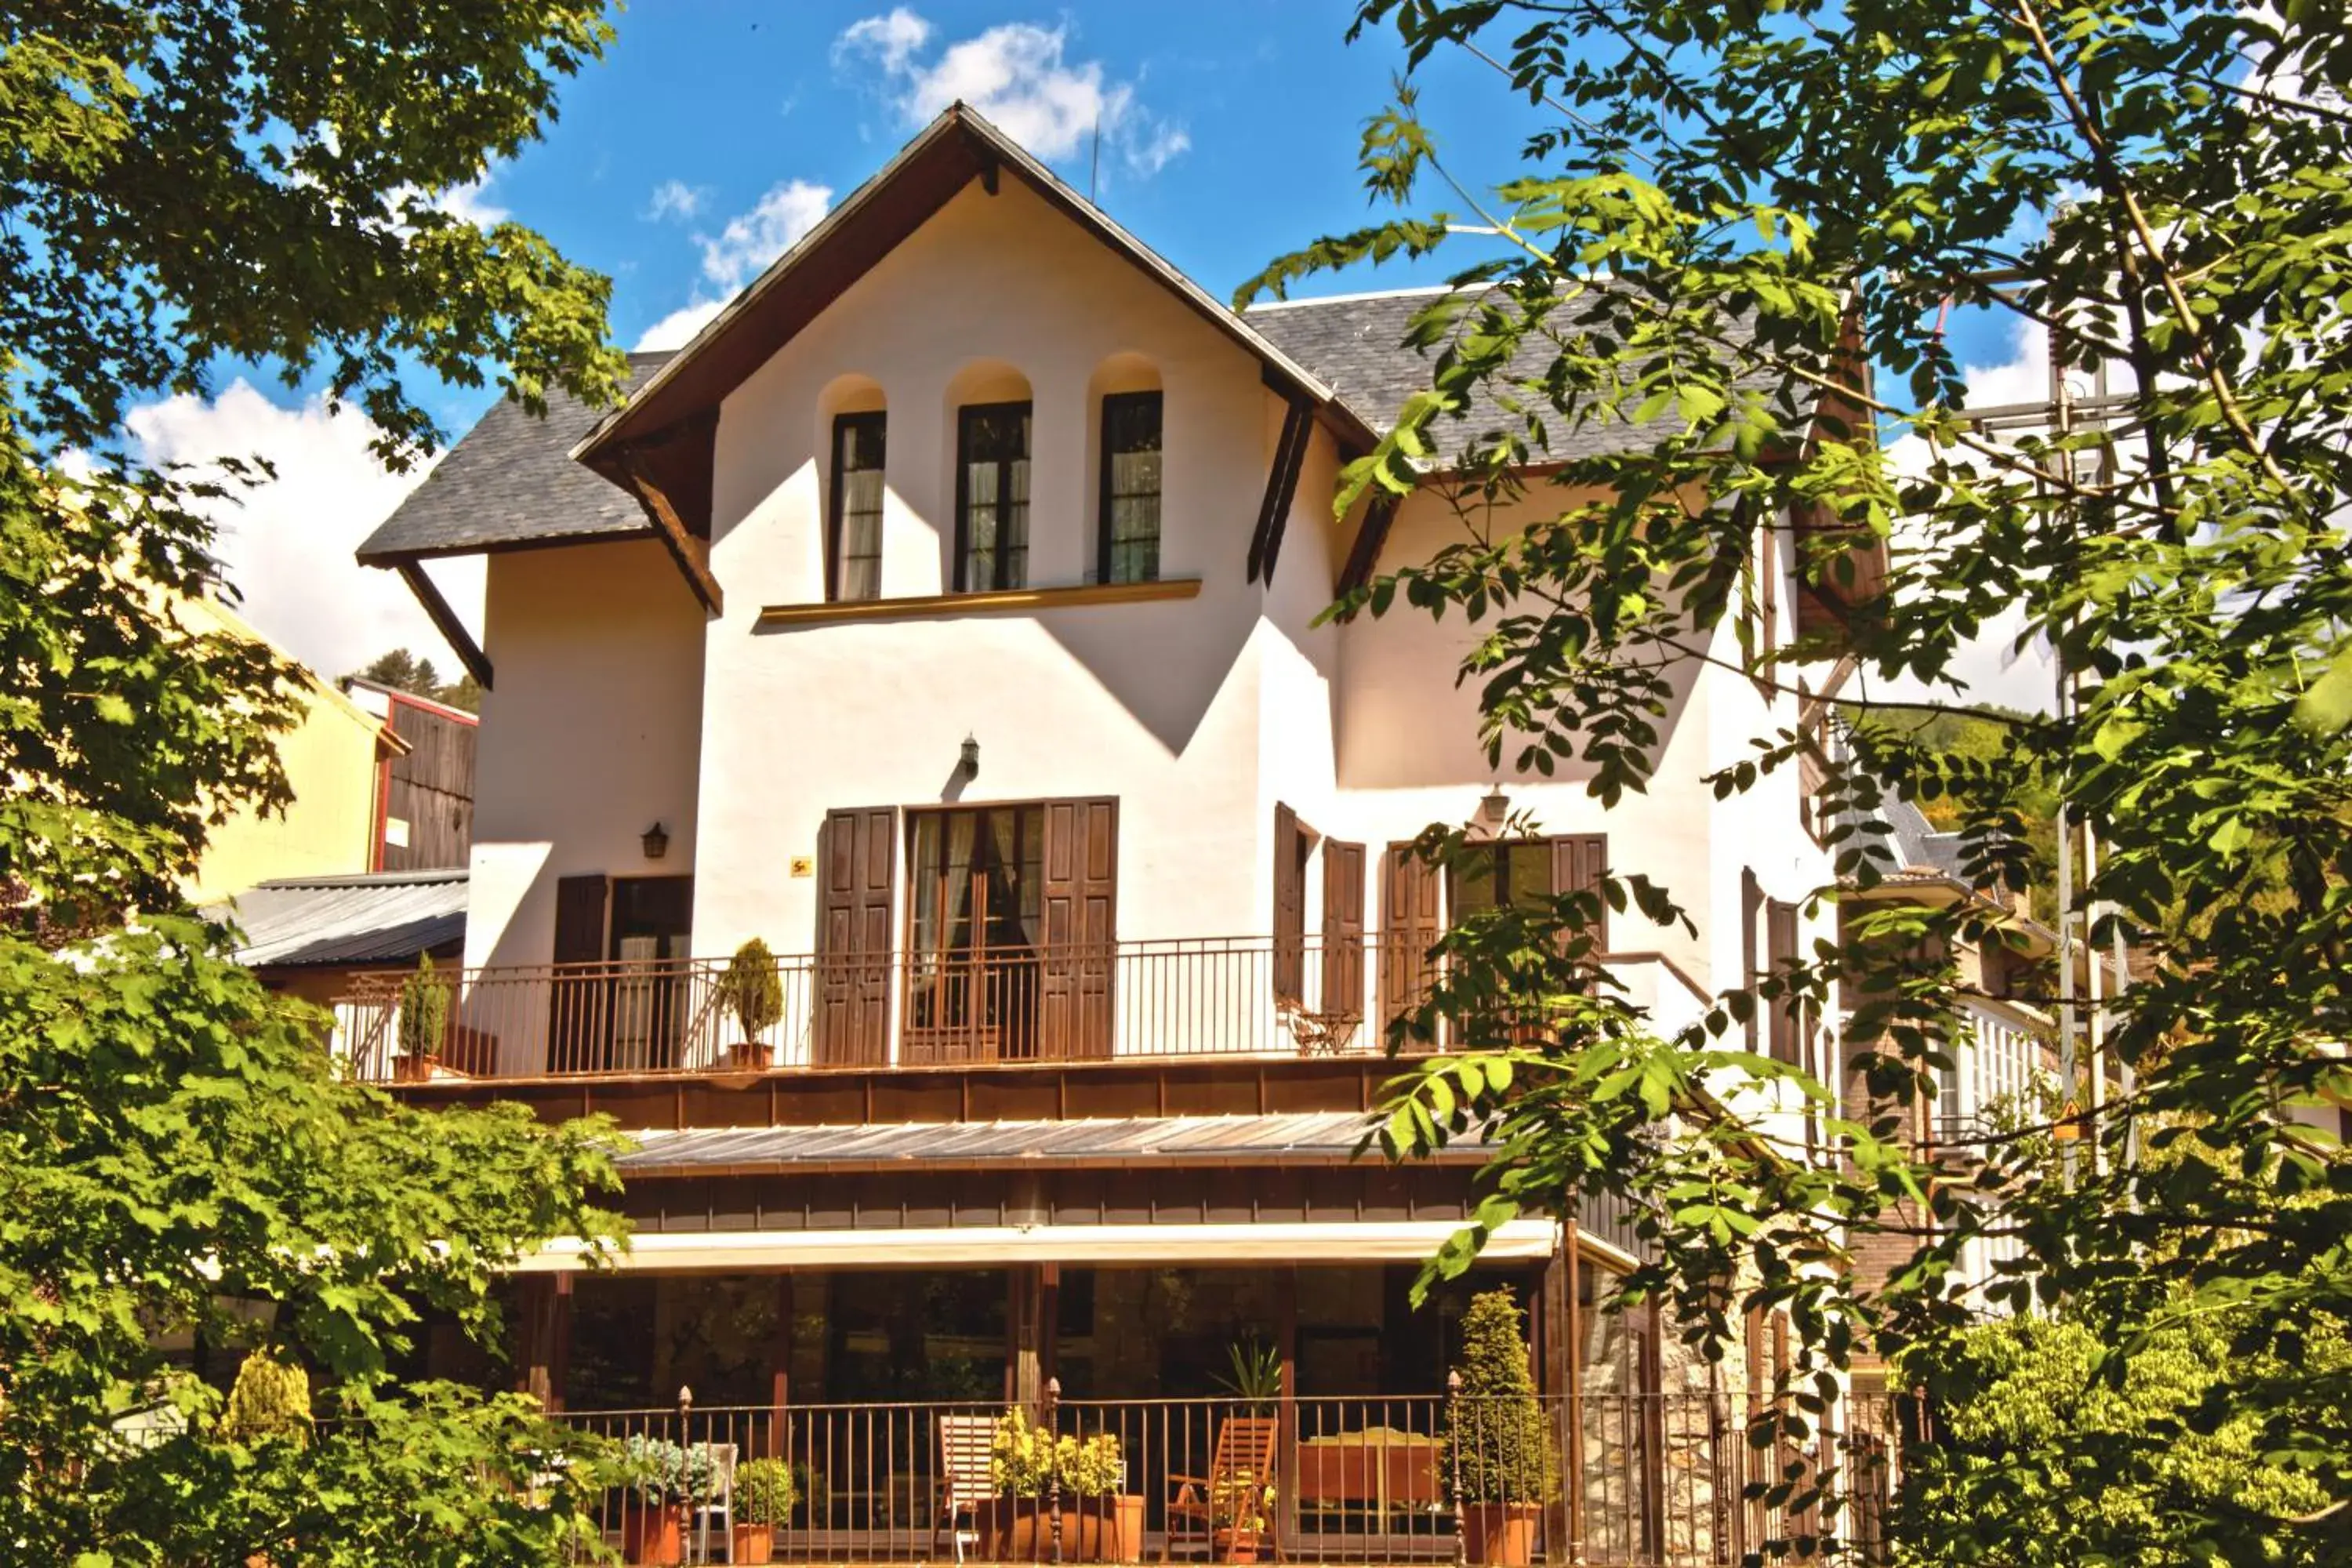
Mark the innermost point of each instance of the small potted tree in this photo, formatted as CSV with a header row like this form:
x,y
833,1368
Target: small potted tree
x,y
1499,1450
765,1497
268,1404
424,1019
755,995
658,1479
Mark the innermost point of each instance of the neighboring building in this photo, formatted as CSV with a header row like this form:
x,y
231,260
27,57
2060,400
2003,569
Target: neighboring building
x,y
322,938
424,791
334,757
946,617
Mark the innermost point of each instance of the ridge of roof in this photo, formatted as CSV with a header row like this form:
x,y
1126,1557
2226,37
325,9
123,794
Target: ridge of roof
x,y
366,878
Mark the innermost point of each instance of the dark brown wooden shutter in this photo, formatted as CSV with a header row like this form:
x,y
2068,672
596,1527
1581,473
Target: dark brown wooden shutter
x,y
1081,928
1343,930
1577,862
1780,951
1409,929
577,1036
1289,909
858,852
1751,905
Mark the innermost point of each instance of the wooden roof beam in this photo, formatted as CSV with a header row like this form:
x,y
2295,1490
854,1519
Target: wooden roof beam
x,y
444,620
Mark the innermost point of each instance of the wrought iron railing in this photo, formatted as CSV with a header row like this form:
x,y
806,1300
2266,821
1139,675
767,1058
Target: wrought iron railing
x,y
1615,1480
1128,1000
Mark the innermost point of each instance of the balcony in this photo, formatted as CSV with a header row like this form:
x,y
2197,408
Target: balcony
x,y
1192,1000
1622,1480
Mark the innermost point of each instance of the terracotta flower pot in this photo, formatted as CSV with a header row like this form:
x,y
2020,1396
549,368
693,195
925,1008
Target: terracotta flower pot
x,y
1094,1530
753,1543
1123,1533
1501,1534
1232,1545
751,1056
653,1533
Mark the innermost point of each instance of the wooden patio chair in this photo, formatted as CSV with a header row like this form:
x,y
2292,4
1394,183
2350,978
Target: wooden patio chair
x,y
1242,1456
964,1477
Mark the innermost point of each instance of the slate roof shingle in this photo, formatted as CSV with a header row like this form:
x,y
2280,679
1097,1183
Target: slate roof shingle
x,y
510,479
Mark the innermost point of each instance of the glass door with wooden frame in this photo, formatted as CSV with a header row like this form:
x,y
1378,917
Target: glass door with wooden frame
x,y
650,949
976,933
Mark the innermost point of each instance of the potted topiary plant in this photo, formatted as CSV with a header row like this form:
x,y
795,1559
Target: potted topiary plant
x,y
765,1497
269,1404
755,995
1499,1450
424,1019
658,1477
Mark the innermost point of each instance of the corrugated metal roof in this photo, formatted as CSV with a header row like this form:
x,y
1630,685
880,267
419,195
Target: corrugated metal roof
x,y
1315,1137
387,917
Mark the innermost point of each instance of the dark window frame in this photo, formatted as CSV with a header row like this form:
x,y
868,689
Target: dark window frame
x,y
966,415
1112,403
836,510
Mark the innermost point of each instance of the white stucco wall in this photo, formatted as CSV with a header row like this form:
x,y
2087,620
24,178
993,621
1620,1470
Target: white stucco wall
x,y
591,734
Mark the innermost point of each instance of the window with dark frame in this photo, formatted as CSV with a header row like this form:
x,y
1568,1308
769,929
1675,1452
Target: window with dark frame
x,y
855,548
1129,546
991,497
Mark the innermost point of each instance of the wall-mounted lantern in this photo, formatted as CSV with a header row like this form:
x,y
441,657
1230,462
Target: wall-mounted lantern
x,y
1494,810
656,841
969,765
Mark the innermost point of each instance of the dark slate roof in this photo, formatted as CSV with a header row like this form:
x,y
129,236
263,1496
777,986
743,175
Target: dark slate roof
x,y
1357,343
384,917
1157,1142
510,480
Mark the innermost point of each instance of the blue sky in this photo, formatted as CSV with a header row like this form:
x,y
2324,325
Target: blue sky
x,y
716,131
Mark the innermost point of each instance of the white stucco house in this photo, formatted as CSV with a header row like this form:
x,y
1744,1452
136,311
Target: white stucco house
x,y
946,617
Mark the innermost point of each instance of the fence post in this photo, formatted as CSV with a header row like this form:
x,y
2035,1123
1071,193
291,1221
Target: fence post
x,y
1053,1424
1454,1467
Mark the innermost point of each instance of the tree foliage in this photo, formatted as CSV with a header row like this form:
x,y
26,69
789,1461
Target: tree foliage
x,y
1728,212
191,185
405,671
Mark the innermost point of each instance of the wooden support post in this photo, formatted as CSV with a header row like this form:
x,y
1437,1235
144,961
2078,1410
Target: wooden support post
x,y
1551,1380
1024,1384
1049,1322
1654,1433
1285,1448
780,1369
535,1326
558,1355
1572,1380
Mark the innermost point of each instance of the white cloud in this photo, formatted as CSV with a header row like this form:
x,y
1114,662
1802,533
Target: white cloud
x,y
468,202
739,252
892,39
1018,75
675,199
287,548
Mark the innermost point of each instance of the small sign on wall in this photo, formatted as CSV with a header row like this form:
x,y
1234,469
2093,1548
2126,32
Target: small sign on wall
x,y
803,866
396,832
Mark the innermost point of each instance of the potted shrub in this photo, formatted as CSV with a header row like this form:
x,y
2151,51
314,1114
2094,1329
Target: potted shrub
x,y
755,995
1499,1449
1025,1464
658,1477
1240,1509
424,1019
765,1497
269,1404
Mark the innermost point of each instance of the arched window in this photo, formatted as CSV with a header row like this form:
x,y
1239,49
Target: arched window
x,y
853,534
992,419
1127,535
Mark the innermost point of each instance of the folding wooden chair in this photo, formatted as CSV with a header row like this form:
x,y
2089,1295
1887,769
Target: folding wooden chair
x,y
964,1476
1243,1456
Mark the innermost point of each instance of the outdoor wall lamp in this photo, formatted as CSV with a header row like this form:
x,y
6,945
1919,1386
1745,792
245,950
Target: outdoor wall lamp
x,y
656,841
970,764
1494,809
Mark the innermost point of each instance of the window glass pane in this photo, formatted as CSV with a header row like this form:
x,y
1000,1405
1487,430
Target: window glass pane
x,y
995,522
857,505
1528,875
1132,476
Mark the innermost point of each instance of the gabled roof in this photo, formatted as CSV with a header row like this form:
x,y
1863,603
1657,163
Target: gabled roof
x,y
948,154
384,917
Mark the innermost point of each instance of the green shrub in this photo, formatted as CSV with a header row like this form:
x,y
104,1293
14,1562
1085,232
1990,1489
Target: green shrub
x,y
424,1011
270,1400
659,1468
1498,1443
1024,1460
765,1492
755,994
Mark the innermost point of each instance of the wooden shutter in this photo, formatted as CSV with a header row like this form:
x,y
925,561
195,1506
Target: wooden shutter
x,y
1409,929
1751,905
1780,951
1081,928
577,1036
858,852
1577,862
1289,909
1343,930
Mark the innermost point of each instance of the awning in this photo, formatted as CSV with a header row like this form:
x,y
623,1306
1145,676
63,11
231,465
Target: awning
x,y
1397,1241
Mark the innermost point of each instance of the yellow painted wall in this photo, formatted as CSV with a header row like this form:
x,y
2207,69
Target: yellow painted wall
x,y
331,761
